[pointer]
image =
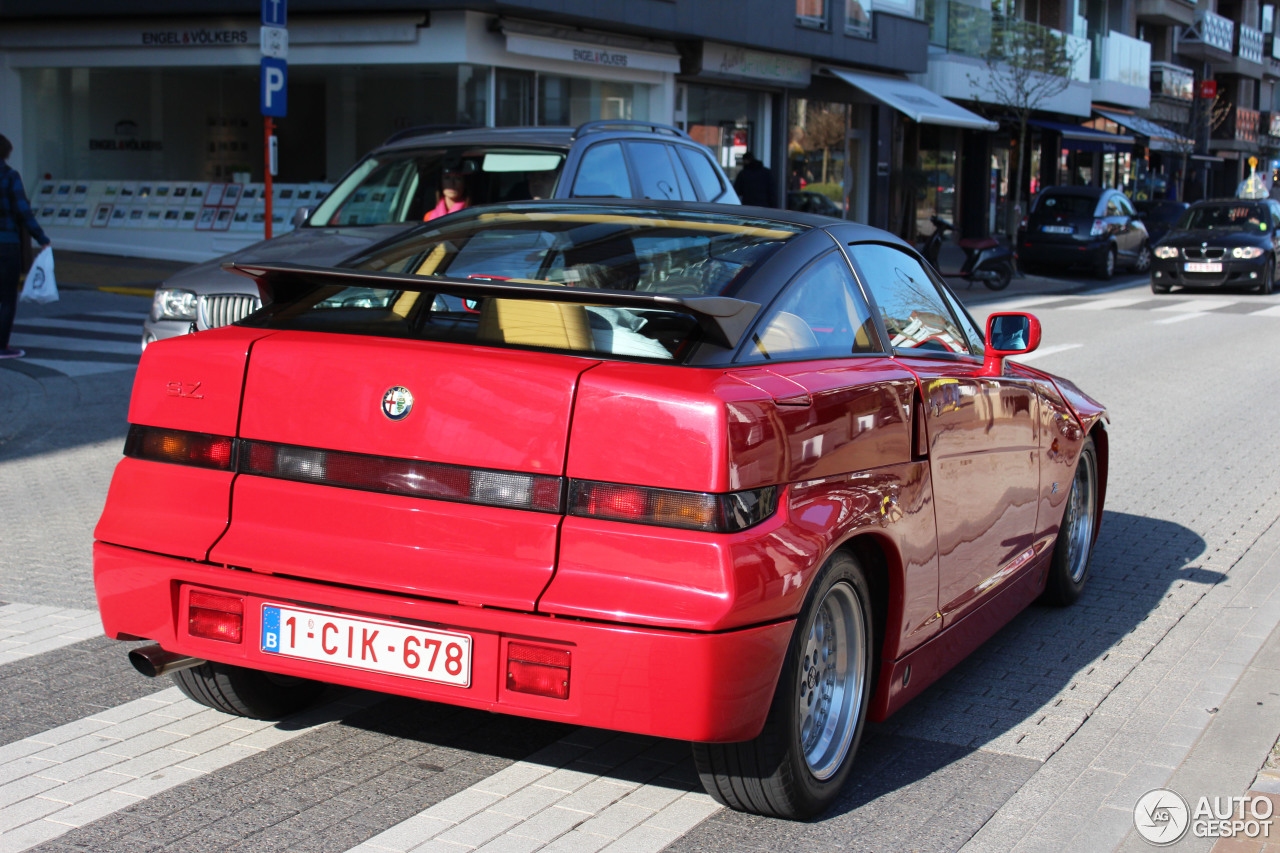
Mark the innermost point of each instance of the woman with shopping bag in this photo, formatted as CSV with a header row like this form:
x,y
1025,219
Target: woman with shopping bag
x,y
17,226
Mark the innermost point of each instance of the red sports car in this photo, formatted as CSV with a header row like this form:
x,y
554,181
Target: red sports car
x,y
740,478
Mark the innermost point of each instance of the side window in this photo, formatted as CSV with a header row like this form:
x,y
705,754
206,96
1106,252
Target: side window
x,y
602,172
705,177
656,171
1113,206
820,315
1125,206
914,310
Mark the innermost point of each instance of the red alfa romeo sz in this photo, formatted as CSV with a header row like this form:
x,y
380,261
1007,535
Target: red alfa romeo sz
x,y
744,478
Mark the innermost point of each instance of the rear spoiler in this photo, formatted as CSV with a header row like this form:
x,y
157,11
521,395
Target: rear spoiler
x,y
723,320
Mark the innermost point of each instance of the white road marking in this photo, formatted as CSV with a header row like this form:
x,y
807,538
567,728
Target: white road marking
x,y
592,790
30,629
74,774
1198,305
1018,303
1043,351
1273,311
1179,318
1107,304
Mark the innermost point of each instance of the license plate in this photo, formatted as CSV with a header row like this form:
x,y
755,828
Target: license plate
x,y
1058,229
368,644
1202,266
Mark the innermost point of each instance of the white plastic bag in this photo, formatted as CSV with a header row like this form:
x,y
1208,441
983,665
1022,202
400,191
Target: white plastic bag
x,y
41,285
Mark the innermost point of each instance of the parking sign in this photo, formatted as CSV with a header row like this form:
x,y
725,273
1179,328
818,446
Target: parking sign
x,y
274,87
274,13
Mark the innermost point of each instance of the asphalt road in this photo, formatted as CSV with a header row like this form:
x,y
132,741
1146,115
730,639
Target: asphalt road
x,y
1043,739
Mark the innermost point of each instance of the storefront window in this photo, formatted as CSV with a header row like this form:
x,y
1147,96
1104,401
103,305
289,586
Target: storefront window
x,y
145,124
816,155
730,122
936,180
572,101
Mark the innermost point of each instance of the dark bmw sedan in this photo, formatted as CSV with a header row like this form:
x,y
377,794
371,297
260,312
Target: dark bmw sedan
x,y
1093,227
1227,243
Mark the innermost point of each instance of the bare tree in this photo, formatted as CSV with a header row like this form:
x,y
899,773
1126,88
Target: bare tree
x,y
1026,66
1191,124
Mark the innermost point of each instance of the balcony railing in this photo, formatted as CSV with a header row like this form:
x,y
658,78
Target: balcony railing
x,y
1241,125
1213,30
1121,59
1250,44
1172,81
969,30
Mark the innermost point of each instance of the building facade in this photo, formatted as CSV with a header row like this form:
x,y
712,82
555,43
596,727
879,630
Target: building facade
x,y
114,112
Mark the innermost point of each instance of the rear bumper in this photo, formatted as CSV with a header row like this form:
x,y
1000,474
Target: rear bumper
x,y
711,687
1071,254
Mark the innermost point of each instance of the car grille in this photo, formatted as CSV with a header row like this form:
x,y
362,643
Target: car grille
x,y
1209,253
221,309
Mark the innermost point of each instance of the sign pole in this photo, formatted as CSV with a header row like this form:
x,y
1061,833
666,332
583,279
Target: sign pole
x,y
269,127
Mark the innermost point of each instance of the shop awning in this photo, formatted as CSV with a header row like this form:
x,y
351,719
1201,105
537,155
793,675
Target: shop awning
x,y
588,48
1160,137
915,102
1079,138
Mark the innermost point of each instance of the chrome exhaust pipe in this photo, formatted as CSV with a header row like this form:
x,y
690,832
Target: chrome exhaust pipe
x,y
153,660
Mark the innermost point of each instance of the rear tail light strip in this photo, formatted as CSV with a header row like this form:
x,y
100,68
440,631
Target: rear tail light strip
x,y
707,511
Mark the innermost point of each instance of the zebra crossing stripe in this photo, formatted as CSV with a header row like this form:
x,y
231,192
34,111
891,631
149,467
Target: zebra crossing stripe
x,y
1044,351
29,629
1198,306
77,773
592,790
1107,304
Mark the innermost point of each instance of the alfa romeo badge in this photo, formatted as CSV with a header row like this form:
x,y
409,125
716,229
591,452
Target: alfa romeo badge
x,y
397,402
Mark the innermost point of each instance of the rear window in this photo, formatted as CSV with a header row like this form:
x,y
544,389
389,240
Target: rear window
x,y
557,246
1066,205
402,186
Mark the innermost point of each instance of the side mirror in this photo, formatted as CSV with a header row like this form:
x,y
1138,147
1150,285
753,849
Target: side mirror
x,y
300,216
1009,334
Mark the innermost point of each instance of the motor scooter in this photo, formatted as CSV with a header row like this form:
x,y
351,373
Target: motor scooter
x,y
985,260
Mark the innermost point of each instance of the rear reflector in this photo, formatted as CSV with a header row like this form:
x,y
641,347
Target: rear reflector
x,y
410,477
540,670
215,617
715,513
179,447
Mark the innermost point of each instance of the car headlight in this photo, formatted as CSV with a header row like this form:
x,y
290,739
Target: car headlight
x,y
1245,252
173,304
1165,252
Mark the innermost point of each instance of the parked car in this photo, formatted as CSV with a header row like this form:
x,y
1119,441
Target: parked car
x,y
744,478
1224,243
395,185
1084,226
1159,216
811,202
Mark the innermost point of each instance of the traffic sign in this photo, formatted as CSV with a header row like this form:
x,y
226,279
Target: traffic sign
x,y
274,87
275,13
274,42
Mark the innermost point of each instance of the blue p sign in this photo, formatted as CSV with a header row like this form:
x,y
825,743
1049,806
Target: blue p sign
x,y
274,87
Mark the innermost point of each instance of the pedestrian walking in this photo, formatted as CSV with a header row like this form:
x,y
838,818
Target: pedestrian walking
x,y
17,223
754,183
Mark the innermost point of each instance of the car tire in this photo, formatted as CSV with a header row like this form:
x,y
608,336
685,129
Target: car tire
x,y
1159,288
1073,550
1107,265
1142,263
246,692
1268,284
797,765
1004,274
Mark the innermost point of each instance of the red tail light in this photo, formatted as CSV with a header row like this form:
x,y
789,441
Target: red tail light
x,y
715,513
540,670
215,617
180,447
